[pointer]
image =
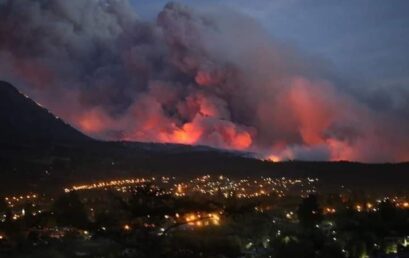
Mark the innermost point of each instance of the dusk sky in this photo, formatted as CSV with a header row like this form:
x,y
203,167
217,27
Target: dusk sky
x,y
367,39
289,79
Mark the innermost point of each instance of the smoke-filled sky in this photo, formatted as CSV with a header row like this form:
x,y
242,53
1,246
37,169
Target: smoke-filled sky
x,y
311,80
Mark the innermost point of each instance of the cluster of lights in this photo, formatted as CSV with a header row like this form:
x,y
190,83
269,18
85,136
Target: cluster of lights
x,y
289,215
244,188
17,204
15,200
329,210
109,184
199,219
403,204
370,207
210,185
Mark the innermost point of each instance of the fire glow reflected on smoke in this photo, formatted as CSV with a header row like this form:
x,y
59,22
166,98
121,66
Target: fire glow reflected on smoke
x,y
273,158
188,134
209,77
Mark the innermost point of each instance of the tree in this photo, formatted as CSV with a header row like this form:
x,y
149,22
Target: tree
x,y
147,200
70,211
309,212
388,211
299,249
331,250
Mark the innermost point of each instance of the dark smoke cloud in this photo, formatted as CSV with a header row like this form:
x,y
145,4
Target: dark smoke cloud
x,y
209,77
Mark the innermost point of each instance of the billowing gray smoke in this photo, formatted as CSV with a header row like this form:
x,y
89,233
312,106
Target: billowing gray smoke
x,y
209,77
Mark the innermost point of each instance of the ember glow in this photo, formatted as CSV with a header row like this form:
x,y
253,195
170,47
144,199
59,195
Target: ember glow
x,y
273,158
190,77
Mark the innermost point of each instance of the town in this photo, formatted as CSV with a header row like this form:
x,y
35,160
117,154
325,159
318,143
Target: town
x,y
217,216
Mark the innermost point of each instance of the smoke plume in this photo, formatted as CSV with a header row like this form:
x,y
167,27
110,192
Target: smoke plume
x,y
192,77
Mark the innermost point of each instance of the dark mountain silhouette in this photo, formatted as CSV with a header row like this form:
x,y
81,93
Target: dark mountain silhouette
x,y
22,121
40,151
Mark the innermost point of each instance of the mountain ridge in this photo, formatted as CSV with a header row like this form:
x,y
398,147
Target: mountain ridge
x,y
23,121
37,149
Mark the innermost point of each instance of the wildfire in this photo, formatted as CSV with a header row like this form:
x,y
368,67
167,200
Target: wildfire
x,y
242,141
177,87
92,122
188,134
273,158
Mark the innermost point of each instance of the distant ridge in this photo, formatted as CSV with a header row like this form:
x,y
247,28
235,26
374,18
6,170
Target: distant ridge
x,y
22,121
37,150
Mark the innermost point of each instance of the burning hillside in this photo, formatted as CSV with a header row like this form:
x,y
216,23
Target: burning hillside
x,y
193,77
